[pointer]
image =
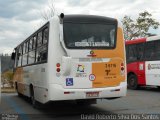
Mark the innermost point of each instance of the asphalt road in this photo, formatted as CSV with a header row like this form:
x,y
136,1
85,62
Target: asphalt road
x,y
142,101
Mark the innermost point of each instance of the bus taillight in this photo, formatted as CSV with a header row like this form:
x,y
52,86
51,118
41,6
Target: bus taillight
x,y
122,64
58,67
122,68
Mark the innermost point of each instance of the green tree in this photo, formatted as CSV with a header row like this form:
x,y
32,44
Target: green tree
x,y
3,80
7,78
139,27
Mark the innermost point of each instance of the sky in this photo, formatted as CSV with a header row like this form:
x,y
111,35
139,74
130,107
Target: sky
x,y
20,18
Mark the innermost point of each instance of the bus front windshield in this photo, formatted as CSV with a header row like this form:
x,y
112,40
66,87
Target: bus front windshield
x,y
89,35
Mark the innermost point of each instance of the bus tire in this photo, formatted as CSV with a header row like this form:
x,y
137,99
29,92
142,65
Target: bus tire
x,y
19,94
132,82
32,97
16,87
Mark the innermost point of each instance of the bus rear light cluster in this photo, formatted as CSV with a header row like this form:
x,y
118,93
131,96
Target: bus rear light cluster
x,y
122,68
58,67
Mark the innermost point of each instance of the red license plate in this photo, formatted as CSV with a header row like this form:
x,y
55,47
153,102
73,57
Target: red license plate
x,y
92,94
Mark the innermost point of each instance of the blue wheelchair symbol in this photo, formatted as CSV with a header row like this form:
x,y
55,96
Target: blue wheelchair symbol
x,y
69,81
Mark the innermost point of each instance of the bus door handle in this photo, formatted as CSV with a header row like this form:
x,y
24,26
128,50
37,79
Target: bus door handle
x,y
66,65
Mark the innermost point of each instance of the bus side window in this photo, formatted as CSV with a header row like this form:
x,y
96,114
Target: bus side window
x,y
149,51
34,42
39,40
31,53
24,48
19,56
132,53
157,50
127,56
30,44
140,51
24,60
45,35
41,51
41,54
31,57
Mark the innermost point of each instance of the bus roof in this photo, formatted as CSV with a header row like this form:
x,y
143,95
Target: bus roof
x,y
141,40
135,41
153,38
88,18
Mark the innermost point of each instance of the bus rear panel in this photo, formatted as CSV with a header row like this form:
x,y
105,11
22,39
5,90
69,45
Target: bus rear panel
x,y
91,60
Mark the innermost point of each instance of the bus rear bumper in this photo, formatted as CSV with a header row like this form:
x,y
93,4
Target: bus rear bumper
x,y
57,92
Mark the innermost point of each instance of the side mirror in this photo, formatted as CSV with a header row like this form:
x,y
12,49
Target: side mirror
x,y
61,18
13,56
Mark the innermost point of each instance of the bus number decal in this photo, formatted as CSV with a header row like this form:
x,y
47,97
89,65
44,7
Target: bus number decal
x,y
110,66
107,72
109,69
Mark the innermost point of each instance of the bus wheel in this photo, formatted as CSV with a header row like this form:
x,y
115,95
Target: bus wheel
x,y
16,87
19,94
33,101
132,82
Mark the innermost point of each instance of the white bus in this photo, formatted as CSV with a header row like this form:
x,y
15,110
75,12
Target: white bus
x,y
72,57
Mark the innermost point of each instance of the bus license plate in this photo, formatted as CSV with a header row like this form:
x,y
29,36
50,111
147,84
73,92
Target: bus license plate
x,y
92,94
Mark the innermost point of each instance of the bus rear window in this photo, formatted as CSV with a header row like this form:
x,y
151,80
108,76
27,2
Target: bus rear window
x,y
83,35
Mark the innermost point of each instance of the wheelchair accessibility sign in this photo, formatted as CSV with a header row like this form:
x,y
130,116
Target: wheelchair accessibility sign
x,y
69,81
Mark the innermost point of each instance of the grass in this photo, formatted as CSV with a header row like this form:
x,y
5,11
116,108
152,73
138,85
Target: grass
x,y
7,90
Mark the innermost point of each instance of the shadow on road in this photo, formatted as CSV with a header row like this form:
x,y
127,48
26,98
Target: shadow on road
x,y
148,88
65,109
